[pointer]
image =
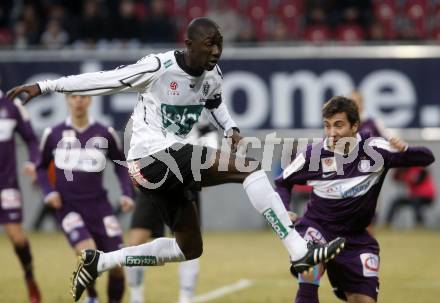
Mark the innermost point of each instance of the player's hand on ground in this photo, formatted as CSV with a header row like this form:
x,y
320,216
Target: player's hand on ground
x,y
31,91
398,144
293,216
53,200
30,171
127,204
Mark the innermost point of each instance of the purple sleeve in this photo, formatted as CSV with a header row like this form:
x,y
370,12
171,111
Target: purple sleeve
x,y
43,164
115,153
24,129
413,156
284,189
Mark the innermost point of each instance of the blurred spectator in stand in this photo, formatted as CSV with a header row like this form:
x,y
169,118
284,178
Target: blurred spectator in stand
x,y
159,26
126,25
353,18
247,32
54,37
317,27
20,36
279,32
227,18
91,25
421,192
32,23
5,14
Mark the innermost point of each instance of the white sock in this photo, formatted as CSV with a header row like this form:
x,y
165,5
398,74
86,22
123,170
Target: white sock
x,y
268,203
153,253
135,281
188,276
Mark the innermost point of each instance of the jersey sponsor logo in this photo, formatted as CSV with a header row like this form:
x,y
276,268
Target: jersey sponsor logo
x,y
345,188
72,221
355,190
314,235
10,198
328,164
179,119
370,264
112,227
140,261
275,223
80,159
7,127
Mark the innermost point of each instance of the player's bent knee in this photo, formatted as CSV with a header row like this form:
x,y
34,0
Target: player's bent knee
x,y
117,272
358,298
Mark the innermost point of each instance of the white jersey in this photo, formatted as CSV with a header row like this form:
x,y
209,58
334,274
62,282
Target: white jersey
x,y
170,100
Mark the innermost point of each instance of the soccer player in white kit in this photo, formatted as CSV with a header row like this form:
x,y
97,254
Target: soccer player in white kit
x,y
173,89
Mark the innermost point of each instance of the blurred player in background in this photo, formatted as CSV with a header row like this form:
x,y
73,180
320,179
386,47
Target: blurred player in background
x,y
346,171
368,126
79,148
173,89
421,192
147,224
15,119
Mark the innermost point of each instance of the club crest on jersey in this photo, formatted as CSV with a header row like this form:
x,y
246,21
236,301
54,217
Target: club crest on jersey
x,y
364,166
173,89
205,88
328,164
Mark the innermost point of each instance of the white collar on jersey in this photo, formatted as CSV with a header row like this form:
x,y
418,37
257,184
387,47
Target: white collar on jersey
x,y
82,129
338,150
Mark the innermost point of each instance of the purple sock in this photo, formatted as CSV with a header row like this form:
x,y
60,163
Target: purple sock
x,y
115,289
307,293
24,255
91,291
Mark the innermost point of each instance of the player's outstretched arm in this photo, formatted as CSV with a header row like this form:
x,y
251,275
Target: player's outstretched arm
x,y
31,92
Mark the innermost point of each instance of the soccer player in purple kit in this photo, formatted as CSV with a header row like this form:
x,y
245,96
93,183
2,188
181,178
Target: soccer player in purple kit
x,y
346,171
15,119
173,88
79,148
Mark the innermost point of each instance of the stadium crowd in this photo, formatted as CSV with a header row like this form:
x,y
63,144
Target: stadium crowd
x,y
56,24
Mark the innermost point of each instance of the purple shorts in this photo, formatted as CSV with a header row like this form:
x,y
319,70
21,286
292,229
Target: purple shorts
x,y
93,220
11,210
356,268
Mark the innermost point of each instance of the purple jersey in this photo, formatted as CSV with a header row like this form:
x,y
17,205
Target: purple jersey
x,y
346,188
369,128
14,119
80,157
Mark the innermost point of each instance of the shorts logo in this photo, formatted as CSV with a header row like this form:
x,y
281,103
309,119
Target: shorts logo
x,y
275,223
10,198
370,264
71,222
140,261
314,235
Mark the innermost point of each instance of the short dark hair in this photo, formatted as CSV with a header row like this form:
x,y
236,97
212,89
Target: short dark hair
x,y
340,104
198,26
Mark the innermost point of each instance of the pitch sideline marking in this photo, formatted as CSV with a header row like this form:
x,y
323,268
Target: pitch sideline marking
x,y
223,291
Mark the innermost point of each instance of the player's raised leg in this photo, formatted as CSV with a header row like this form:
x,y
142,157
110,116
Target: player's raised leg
x,y
268,203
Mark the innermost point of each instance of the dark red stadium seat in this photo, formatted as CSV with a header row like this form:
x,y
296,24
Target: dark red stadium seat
x,y
350,33
318,33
